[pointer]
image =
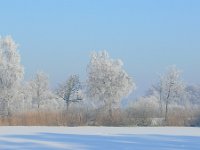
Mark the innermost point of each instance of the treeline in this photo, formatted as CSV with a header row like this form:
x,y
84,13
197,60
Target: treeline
x,y
95,101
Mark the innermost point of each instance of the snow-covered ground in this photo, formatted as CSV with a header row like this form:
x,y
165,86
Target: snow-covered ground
x,y
100,138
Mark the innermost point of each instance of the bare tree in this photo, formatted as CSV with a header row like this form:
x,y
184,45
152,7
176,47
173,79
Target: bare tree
x,y
40,89
70,91
170,88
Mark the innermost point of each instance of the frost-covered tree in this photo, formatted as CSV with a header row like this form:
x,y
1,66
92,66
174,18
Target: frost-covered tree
x,y
170,89
11,73
107,81
70,90
40,89
24,98
143,110
193,92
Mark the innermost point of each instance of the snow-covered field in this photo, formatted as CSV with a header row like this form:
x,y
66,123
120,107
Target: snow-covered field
x,y
100,138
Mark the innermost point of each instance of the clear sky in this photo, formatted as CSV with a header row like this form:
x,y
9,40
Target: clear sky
x,y
57,36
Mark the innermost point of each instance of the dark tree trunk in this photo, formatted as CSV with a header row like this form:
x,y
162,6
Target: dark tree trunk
x,y
166,112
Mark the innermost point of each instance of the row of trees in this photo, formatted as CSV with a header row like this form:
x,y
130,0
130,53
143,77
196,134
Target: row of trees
x,y
106,85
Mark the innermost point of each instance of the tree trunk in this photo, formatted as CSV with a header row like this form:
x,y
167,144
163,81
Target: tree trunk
x,y
166,112
167,102
67,102
110,110
161,105
38,106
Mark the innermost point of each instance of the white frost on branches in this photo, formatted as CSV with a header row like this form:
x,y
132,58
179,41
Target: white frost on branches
x,y
70,91
171,89
11,73
41,94
107,81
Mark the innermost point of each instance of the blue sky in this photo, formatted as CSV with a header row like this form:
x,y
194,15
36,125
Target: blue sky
x,y
57,36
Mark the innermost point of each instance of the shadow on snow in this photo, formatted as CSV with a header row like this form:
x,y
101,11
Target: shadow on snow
x,y
53,141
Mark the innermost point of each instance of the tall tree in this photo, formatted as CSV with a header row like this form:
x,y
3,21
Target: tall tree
x,y
170,89
107,81
70,90
40,89
11,73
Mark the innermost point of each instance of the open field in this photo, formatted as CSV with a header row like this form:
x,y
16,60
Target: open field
x,y
83,138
